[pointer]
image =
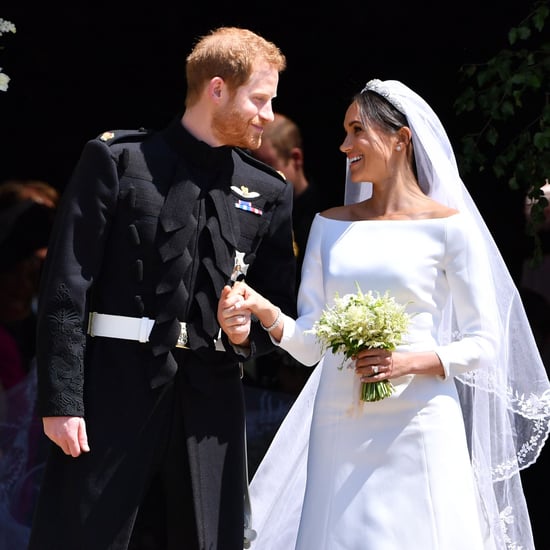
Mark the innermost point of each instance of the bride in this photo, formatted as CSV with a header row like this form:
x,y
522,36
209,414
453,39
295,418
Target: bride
x,y
434,466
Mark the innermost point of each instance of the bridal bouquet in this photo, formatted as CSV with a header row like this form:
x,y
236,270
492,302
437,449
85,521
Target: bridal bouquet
x,y
359,321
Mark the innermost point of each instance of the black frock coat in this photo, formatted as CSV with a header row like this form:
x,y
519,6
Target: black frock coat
x,y
149,226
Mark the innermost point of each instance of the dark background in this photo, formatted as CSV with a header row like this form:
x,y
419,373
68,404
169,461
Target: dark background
x,y
80,68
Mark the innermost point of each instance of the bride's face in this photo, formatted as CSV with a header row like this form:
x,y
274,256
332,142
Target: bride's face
x,y
367,148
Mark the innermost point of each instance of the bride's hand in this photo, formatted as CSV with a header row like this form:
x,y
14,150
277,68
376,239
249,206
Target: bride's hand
x,y
373,365
241,299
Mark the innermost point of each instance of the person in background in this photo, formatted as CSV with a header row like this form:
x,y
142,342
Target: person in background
x,y
39,191
436,464
537,278
27,210
139,390
282,149
535,293
537,308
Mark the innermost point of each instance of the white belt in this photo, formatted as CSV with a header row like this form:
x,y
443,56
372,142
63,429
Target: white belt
x,y
128,328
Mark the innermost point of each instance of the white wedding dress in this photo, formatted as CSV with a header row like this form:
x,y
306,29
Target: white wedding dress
x,y
393,474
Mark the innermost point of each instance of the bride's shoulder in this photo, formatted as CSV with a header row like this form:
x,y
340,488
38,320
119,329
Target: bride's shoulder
x,y
342,213
363,211
438,210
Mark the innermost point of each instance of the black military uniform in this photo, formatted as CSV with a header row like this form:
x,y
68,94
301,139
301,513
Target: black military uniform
x,y
148,231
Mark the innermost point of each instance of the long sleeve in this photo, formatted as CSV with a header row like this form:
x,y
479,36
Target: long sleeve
x,y
296,339
73,260
473,301
275,249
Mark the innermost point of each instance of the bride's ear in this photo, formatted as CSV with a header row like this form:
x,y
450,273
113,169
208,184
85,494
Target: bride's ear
x,y
404,137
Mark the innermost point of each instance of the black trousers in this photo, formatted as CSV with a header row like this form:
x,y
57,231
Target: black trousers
x,y
165,519
133,490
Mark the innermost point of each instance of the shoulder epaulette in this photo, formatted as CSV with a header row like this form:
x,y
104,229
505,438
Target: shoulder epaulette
x,y
247,157
127,141
124,136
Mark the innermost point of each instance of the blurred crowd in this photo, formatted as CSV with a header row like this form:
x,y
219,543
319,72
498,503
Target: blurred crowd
x,y
27,209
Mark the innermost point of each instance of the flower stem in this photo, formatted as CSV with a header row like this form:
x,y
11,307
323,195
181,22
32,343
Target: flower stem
x,y
376,391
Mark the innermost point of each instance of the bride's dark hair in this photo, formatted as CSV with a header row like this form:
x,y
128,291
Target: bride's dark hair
x,y
376,110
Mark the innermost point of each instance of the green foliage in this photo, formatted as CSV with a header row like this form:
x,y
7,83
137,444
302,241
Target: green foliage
x,y
507,98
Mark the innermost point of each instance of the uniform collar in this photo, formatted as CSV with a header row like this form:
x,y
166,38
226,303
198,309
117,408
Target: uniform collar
x,y
197,152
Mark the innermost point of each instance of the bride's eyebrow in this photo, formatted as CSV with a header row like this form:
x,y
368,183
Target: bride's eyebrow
x,y
353,123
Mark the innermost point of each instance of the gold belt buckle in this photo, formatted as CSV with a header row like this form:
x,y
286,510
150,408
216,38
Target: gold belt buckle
x,y
183,338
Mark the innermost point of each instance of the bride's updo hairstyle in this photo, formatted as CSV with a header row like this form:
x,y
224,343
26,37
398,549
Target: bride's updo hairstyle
x,y
376,110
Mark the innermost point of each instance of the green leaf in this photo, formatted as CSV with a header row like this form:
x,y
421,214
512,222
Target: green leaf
x,y
507,101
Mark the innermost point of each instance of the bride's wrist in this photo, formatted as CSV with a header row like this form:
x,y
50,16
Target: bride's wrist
x,y
275,316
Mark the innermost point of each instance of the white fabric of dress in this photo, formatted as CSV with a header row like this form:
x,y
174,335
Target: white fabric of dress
x,y
396,473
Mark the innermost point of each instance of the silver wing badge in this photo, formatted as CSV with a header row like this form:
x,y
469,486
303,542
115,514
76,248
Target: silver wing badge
x,y
244,192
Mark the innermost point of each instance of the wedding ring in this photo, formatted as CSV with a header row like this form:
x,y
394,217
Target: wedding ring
x,y
375,369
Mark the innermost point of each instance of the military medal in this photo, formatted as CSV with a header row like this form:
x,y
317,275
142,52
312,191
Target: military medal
x,y
240,268
247,206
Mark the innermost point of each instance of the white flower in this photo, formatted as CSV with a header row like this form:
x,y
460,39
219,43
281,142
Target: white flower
x,y
5,26
360,321
4,80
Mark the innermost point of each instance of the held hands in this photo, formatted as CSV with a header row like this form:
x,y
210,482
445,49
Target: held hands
x,y
235,307
233,316
68,432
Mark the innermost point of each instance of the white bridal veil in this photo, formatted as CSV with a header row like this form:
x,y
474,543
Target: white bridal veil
x,y
506,405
